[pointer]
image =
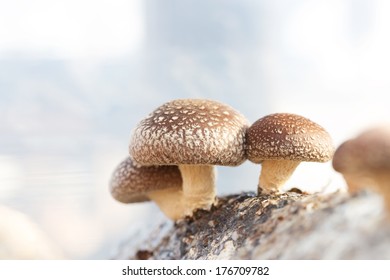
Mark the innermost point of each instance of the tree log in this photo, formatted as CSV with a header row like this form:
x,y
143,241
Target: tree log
x,y
291,225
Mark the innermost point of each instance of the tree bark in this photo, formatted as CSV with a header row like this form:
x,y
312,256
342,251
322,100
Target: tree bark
x,y
283,226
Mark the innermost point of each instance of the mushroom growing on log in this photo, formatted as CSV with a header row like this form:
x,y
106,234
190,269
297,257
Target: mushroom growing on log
x,y
194,134
365,161
280,142
132,183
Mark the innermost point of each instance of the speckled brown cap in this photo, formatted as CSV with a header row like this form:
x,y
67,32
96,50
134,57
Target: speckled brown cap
x,y
190,131
285,136
131,182
369,152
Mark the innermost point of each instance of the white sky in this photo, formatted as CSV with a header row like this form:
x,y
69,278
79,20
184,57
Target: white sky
x,y
330,61
71,28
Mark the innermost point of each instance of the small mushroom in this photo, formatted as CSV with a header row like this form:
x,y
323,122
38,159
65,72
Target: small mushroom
x,y
194,134
365,161
132,182
280,142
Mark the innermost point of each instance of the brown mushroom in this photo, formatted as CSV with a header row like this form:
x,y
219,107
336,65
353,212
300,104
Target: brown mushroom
x,y
365,161
194,134
280,142
132,182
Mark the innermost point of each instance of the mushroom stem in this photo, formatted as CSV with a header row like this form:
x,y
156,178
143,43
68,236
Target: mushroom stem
x,y
170,201
385,190
198,186
355,183
274,173
381,184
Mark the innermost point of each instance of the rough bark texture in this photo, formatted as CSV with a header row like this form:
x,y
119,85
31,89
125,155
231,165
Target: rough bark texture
x,y
284,226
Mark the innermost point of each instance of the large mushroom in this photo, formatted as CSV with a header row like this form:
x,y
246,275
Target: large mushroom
x,y
280,142
194,134
132,183
365,161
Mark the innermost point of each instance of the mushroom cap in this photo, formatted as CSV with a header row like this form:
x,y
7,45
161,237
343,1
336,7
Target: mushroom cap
x,y
284,136
190,131
131,182
368,152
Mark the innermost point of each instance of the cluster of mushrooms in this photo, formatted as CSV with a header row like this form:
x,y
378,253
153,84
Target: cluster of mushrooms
x,y
173,152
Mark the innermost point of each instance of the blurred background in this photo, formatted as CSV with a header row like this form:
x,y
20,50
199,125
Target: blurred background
x,y
77,76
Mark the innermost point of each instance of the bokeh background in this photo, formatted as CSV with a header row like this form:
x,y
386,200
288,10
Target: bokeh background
x,y
76,76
